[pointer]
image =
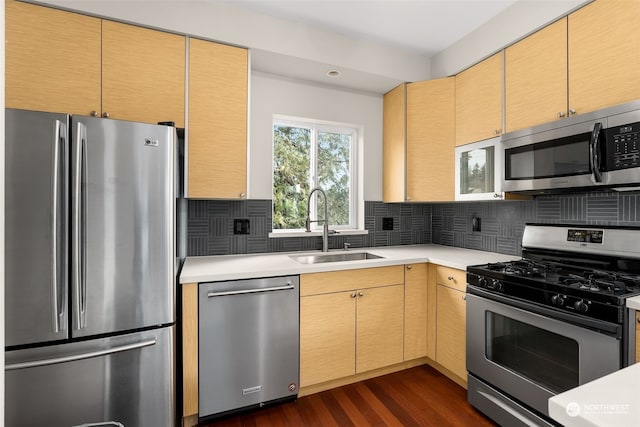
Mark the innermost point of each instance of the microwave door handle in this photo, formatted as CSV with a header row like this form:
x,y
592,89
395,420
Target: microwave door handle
x,y
594,151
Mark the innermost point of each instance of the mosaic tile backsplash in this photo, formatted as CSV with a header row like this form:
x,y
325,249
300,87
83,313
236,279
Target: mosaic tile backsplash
x,y
210,223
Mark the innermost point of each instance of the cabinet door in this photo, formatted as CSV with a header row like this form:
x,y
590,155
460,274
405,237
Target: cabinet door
x,y
604,55
379,334
217,129
415,311
430,140
536,78
393,144
52,60
479,101
142,74
451,330
327,337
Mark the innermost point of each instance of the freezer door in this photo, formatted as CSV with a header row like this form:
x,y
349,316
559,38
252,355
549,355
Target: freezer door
x,y
122,214
35,227
127,379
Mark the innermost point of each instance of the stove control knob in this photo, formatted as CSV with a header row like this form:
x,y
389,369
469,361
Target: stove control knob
x,y
558,300
482,282
495,285
581,306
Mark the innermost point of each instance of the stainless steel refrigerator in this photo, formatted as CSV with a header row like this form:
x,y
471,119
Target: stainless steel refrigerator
x,y
89,280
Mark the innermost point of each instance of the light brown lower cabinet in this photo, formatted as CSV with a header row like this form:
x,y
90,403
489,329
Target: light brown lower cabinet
x,y
415,310
189,316
327,337
350,322
447,320
451,326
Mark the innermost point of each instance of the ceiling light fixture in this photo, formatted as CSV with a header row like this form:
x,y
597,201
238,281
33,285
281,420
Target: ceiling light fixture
x,y
333,73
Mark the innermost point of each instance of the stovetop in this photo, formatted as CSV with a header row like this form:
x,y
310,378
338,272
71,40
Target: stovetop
x,y
571,278
590,292
582,270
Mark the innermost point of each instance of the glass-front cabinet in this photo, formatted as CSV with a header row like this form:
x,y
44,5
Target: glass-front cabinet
x,y
479,170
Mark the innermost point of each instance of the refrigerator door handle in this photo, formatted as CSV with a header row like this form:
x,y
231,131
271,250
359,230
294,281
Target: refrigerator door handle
x,y
58,305
82,356
78,233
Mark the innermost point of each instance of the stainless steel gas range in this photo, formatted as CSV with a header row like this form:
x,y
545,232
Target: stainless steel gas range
x,y
551,321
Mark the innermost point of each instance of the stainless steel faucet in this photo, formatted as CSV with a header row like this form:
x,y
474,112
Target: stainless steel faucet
x,y
325,221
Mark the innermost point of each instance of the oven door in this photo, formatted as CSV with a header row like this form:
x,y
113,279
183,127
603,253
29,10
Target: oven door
x,y
532,357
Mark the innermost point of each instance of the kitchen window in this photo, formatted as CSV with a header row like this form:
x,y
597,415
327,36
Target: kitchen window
x,y
309,154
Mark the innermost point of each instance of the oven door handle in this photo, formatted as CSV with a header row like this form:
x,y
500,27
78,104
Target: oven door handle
x,y
575,319
594,153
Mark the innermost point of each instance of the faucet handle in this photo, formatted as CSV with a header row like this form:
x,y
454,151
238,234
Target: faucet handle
x,y
347,245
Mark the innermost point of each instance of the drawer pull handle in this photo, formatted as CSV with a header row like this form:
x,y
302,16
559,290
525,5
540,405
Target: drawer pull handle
x,y
360,294
353,295
449,277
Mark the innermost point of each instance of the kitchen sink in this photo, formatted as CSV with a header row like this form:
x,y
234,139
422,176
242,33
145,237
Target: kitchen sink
x,y
334,257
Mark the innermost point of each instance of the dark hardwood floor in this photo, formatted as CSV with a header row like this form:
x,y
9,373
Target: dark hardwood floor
x,y
418,396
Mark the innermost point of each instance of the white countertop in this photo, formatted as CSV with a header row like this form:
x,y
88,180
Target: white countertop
x,y
233,267
634,303
613,400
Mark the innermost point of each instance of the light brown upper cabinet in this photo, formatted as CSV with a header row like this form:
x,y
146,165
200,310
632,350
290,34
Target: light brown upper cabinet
x,y
418,142
52,59
479,101
430,140
143,74
70,63
394,131
536,78
604,55
581,63
217,128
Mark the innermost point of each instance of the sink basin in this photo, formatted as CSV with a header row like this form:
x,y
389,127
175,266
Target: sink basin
x,y
334,257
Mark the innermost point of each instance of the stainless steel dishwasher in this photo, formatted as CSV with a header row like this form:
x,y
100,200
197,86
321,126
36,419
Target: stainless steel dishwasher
x,y
249,337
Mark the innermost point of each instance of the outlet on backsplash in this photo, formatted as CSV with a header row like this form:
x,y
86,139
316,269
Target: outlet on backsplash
x,y
241,226
475,224
387,223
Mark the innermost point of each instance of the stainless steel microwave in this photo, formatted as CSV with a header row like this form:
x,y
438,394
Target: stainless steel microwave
x,y
597,149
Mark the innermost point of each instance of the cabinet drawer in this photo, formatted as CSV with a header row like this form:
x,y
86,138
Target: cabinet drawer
x,y
340,281
451,277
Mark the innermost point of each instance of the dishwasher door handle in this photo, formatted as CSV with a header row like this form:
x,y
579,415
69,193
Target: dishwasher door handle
x,y
250,291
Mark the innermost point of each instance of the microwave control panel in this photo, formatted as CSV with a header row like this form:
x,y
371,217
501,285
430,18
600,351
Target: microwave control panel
x,y
623,146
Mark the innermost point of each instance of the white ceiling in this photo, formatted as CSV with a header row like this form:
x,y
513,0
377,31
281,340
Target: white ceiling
x,y
418,27
422,26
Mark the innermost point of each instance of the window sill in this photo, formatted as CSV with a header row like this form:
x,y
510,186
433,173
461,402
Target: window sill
x,y
297,233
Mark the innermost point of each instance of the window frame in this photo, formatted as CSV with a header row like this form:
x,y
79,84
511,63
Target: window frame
x,y
316,127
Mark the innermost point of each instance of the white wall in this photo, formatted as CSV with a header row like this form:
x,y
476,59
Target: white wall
x,y
275,95
517,21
